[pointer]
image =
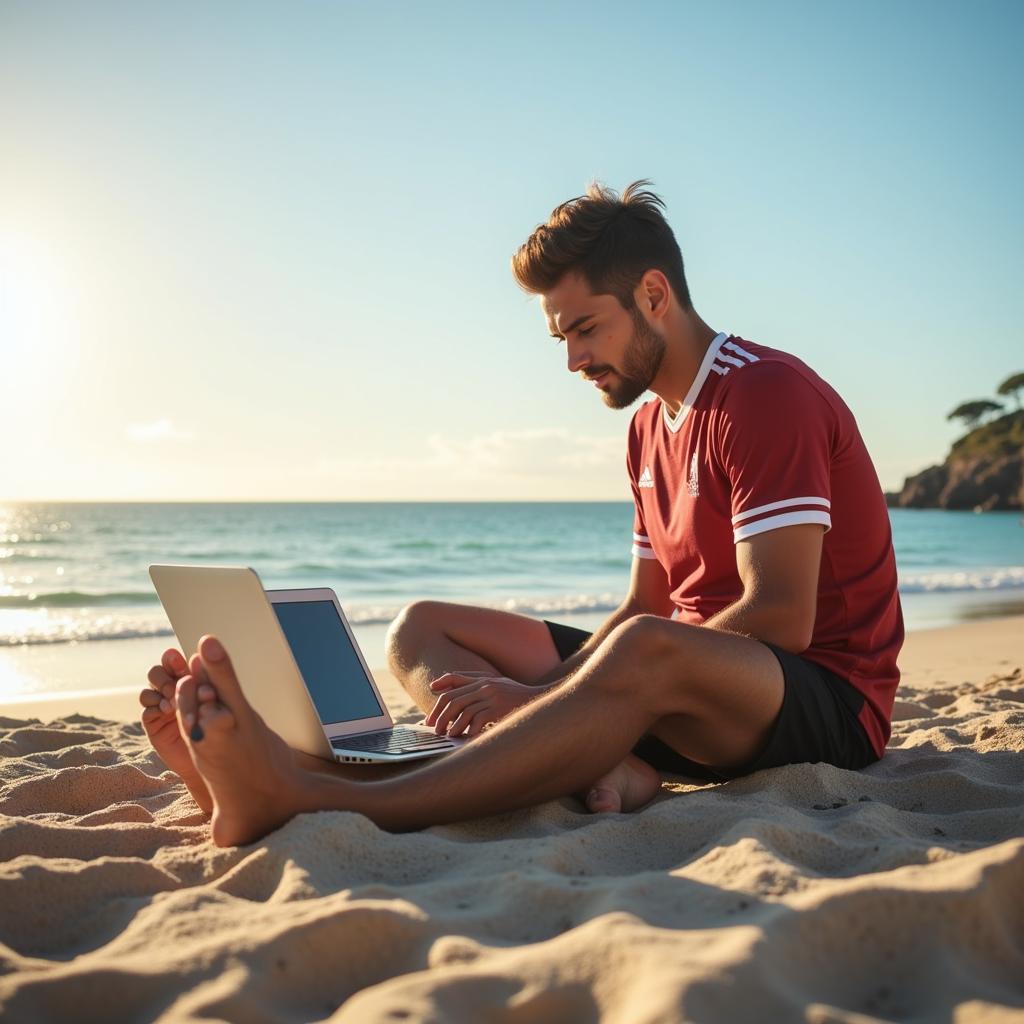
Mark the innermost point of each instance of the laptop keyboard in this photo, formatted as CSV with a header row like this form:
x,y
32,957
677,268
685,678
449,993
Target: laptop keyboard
x,y
399,740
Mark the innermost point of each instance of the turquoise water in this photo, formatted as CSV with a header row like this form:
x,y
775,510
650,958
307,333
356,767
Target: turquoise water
x,y
78,571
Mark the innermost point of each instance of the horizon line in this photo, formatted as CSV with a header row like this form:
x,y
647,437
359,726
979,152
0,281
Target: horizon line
x,y
314,501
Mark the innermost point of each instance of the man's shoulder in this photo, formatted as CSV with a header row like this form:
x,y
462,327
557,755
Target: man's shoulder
x,y
763,379
644,418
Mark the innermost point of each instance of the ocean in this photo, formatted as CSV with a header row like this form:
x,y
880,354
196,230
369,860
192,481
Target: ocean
x,y
77,573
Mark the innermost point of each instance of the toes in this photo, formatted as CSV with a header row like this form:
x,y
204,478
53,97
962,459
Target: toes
x,y
601,800
214,717
174,662
186,698
149,698
221,673
200,712
158,677
197,668
161,682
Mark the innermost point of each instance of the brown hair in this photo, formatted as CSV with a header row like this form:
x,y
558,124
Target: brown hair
x,y
611,240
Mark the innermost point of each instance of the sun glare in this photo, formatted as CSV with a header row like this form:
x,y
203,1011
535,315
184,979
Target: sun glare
x,y
34,314
36,340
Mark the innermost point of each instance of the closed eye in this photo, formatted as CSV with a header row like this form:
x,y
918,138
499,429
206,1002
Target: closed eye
x,y
583,331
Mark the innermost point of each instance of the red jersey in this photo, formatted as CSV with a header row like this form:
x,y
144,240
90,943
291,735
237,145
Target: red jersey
x,y
762,442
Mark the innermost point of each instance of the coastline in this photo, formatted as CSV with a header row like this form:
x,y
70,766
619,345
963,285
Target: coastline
x,y
96,678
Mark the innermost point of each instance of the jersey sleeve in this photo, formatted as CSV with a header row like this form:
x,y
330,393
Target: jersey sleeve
x,y
775,436
641,542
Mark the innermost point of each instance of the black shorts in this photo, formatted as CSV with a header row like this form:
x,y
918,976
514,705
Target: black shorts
x,y
817,722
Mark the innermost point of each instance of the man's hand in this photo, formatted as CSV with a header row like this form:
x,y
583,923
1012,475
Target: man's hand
x,y
470,701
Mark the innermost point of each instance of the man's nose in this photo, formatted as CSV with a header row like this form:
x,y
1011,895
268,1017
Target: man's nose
x,y
578,356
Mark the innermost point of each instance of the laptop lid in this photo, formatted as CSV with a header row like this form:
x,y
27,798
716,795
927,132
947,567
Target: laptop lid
x,y
339,682
230,602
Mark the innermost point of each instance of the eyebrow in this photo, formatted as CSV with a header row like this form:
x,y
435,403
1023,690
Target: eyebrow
x,y
574,324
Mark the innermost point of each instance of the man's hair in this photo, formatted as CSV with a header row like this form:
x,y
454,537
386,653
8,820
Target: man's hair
x,y
611,240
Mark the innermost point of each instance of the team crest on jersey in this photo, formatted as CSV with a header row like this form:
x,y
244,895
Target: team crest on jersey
x,y
692,484
646,480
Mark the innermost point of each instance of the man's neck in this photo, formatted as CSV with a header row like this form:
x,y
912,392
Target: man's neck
x,y
687,338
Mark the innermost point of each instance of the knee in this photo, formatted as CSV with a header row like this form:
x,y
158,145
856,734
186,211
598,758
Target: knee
x,y
409,631
643,638
638,649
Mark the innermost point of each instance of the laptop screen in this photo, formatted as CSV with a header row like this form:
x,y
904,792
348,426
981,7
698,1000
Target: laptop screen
x,y
329,664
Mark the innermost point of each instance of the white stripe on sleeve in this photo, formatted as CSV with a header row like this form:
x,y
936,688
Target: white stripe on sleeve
x,y
777,522
643,552
773,505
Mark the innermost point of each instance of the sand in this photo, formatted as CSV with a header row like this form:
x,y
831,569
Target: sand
x,y
800,893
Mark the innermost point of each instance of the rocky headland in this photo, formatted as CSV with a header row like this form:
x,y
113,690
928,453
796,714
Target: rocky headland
x,y
984,470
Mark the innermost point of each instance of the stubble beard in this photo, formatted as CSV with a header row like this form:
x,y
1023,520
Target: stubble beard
x,y
640,365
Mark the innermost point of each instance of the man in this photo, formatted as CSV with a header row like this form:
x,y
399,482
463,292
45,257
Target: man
x,y
762,622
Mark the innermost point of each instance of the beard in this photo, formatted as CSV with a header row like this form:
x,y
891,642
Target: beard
x,y
640,365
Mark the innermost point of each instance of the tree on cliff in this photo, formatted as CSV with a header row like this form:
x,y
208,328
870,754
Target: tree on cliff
x,y
972,412
1013,385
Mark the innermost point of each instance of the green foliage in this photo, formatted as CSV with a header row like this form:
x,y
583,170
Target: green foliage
x,y
1013,385
972,412
1002,436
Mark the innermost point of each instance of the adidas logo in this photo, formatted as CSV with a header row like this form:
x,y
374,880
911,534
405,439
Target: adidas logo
x,y
646,480
691,482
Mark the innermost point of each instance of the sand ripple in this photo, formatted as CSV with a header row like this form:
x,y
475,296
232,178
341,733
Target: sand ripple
x,y
802,893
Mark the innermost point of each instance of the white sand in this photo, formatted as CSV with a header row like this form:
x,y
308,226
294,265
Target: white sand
x,y
801,893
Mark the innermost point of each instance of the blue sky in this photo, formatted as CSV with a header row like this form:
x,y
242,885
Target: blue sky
x,y
261,250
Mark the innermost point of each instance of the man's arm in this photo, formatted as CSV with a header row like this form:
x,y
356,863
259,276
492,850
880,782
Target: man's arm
x,y
779,571
648,595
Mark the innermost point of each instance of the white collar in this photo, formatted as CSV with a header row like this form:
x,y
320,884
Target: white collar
x,y
674,423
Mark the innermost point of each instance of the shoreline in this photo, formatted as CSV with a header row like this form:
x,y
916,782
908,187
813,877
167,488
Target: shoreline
x,y
948,654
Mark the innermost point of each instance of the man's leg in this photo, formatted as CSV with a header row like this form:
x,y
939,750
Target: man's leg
x,y
430,638
649,669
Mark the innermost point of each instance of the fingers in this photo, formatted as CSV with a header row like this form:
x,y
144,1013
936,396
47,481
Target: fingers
x,y
461,724
453,706
481,720
446,697
453,679
448,681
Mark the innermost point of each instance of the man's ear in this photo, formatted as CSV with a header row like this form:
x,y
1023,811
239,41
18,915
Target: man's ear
x,y
654,294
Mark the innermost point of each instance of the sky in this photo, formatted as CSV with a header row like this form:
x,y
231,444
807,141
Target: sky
x,y
254,251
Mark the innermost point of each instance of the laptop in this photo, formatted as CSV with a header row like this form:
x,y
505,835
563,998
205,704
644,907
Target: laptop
x,y
297,662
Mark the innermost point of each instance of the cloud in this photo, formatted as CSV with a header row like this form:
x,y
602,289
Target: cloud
x,y
539,451
155,432
533,463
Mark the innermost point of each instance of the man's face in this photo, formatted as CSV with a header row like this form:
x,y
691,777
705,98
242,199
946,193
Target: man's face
x,y
615,348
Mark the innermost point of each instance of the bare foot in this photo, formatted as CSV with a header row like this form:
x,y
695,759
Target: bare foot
x,y
626,787
161,724
255,781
